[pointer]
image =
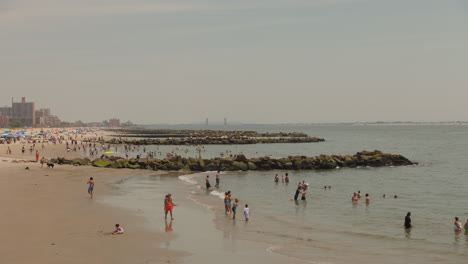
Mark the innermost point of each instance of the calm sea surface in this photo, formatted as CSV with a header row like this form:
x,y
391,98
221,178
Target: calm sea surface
x,y
328,227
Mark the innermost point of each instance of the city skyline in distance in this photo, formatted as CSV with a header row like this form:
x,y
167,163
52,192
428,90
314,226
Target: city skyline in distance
x,y
279,61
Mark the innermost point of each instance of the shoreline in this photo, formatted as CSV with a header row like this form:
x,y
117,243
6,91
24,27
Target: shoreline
x,y
53,219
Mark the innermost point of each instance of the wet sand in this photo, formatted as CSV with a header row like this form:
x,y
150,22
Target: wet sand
x,y
48,217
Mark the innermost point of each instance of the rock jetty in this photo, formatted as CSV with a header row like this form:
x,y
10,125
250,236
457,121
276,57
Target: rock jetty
x,y
166,133
240,162
212,141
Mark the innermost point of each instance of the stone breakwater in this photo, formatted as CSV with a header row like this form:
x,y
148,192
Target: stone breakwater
x,y
240,162
214,141
165,133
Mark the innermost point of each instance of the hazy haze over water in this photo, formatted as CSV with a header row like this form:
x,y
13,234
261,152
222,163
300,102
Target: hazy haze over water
x,y
250,61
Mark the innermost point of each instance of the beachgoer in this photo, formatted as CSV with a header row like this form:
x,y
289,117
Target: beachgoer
x,y
286,178
228,202
367,198
276,178
303,192
246,212
217,179
395,197
282,178
234,208
359,194
457,225
37,155
208,185
408,220
383,196
118,230
42,162
168,205
91,186
298,190
22,150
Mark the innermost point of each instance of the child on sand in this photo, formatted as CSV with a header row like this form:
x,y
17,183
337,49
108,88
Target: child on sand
x,y
246,212
118,230
91,186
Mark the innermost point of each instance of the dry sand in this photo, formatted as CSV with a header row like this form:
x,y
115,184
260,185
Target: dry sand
x,y
48,217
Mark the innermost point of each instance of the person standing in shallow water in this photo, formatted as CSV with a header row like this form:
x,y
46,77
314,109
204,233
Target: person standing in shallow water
x,y
457,225
234,208
408,221
168,205
217,179
208,185
298,190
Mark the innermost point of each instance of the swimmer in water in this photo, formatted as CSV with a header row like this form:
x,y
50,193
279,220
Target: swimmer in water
x,y
367,198
276,178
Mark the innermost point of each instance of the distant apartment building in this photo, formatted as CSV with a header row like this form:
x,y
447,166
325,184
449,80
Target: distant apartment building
x,y
24,112
4,121
114,122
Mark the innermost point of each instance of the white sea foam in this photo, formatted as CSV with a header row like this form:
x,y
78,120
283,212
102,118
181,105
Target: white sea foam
x,y
219,194
188,178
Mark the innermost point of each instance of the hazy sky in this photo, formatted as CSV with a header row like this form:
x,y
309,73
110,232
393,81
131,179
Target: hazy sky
x,y
253,61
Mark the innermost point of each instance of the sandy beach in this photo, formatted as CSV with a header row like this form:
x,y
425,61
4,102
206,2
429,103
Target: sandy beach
x,y
48,217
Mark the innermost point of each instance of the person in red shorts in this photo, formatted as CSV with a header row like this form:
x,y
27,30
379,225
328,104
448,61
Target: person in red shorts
x,y
168,205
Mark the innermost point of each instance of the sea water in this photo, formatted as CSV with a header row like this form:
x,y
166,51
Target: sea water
x,y
328,227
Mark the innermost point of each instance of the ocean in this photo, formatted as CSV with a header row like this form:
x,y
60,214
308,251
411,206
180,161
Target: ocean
x,y
328,227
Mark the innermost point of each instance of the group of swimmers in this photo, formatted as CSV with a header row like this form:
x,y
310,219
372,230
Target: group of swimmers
x,y
357,196
284,178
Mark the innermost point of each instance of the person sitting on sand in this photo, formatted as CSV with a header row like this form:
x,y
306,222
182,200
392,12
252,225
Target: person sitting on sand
x,y
118,230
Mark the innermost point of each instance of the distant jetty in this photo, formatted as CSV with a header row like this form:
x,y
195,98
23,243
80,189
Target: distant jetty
x,y
213,141
186,133
241,163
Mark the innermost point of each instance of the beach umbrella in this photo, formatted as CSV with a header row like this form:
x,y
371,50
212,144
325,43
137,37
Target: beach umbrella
x,y
109,152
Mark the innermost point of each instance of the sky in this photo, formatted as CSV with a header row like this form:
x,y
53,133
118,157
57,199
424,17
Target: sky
x,y
250,61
